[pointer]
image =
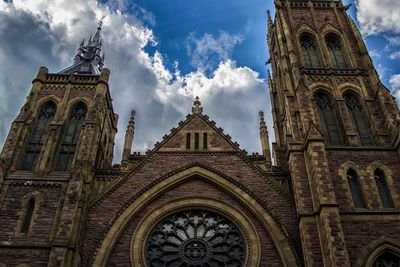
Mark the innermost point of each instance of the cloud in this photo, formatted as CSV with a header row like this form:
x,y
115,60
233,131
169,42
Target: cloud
x,y
47,32
207,51
393,40
377,16
395,55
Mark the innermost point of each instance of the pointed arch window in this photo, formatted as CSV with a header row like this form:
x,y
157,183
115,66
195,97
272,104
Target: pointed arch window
x,y
28,216
387,259
310,53
38,135
329,119
355,189
383,189
336,51
359,118
70,137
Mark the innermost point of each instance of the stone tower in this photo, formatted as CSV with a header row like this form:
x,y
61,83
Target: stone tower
x,y
65,129
337,131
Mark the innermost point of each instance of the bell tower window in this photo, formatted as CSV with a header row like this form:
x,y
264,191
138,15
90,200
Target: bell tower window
x,y
336,53
38,135
310,54
359,119
70,137
328,119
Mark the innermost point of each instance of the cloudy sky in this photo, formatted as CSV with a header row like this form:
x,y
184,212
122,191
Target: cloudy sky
x,y
163,53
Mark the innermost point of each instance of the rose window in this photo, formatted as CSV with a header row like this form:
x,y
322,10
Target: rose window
x,y
195,238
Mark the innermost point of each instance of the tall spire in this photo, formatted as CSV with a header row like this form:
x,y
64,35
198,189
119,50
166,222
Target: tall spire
x,y
88,59
264,139
129,134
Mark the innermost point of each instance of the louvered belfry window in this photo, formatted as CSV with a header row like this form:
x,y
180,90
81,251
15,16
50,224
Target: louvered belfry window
x,y
310,54
70,137
355,189
38,135
383,189
328,119
336,51
359,119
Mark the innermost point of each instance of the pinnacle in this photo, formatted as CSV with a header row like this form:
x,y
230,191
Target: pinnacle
x,y
197,109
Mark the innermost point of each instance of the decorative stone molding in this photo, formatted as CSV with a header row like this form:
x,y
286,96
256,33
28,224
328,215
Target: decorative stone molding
x,y
139,238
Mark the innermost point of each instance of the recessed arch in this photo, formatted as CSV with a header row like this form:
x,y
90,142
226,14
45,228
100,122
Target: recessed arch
x,y
376,248
358,117
329,119
38,135
389,179
253,248
73,102
275,231
25,202
343,171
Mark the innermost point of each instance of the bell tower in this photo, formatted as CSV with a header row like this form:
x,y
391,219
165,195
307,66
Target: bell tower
x,y
64,131
336,128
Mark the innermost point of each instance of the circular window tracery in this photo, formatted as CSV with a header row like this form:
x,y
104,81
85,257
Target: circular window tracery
x,y
195,238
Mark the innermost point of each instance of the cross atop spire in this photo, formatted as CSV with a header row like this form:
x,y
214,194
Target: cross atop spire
x,y
88,59
197,109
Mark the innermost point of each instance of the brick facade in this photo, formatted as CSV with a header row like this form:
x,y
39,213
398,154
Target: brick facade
x,y
301,211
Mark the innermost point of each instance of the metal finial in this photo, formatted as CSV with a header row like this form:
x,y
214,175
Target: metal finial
x,y
101,22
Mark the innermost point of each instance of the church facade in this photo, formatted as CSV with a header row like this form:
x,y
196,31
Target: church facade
x,y
330,197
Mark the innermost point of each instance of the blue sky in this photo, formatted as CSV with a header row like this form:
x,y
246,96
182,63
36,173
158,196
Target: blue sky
x,y
174,22
163,53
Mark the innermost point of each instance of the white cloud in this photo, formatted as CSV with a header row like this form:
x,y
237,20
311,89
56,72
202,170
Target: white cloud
x,y
375,54
395,55
208,50
47,32
393,40
377,16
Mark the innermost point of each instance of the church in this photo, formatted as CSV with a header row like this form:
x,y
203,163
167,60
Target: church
x,y
326,193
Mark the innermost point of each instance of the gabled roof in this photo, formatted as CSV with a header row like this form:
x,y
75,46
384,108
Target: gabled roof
x,y
197,123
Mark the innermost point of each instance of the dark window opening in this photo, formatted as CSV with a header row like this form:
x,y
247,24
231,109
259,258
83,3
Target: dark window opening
x,y
38,136
28,216
205,141
336,53
328,119
387,259
310,54
70,137
188,141
383,189
355,189
359,119
196,140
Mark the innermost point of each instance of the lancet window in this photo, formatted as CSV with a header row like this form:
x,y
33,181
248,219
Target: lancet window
x,y
310,52
355,189
336,51
26,222
38,135
383,189
70,137
329,119
359,118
